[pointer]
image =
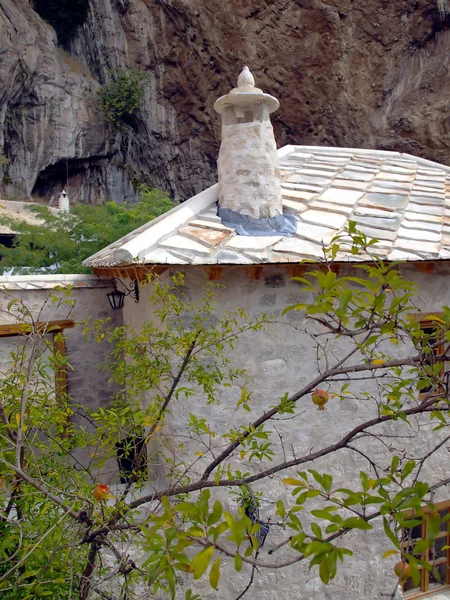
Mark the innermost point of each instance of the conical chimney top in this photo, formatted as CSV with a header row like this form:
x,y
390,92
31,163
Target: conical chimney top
x,y
246,93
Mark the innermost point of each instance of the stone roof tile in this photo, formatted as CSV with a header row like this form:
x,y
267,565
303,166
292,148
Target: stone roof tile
x,y
397,198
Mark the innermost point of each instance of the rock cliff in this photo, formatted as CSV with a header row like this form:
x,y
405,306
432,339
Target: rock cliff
x,y
368,73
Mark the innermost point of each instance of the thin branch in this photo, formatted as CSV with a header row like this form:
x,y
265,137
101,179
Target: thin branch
x,y
202,484
3,417
33,548
41,489
173,387
86,578
407,361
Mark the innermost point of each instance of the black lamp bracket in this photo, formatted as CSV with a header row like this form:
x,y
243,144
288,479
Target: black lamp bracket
x,y
132,290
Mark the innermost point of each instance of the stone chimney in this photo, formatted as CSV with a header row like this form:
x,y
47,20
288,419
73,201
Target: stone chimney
x,y
248,165
63,202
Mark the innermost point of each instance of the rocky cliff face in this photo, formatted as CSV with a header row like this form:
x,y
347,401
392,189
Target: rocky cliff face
x,y
368,73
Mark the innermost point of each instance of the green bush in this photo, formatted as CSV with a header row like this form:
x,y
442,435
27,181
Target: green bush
x,y
61,242
121,97
65,16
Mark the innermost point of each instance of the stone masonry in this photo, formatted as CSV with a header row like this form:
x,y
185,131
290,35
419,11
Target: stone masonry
x,y
282,359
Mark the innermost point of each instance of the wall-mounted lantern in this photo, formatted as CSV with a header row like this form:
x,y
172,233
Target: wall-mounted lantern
x,y
116,298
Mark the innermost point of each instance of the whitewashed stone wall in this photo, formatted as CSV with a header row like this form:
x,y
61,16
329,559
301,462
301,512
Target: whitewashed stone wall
x,y
282,359
87,383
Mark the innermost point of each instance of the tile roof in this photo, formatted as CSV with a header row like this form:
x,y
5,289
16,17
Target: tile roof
x,y
401,200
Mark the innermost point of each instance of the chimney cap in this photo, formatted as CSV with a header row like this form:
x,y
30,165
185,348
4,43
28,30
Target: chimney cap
x,y
63,201
245,93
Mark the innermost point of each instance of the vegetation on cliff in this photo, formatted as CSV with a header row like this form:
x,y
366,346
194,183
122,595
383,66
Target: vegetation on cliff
x,y
120,98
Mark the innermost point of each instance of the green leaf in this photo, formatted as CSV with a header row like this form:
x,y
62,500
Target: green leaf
x,y
196,532
420,547
356,523
324,571
317,547
216,513
281,510
327,482
214,574
200,562
187,507
293,481
216,531
389,553
237,562
390,534
28,574
408,468
316,530
394,464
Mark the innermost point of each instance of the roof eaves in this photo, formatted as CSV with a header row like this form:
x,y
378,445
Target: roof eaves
x,y
426,162
151,233
51,281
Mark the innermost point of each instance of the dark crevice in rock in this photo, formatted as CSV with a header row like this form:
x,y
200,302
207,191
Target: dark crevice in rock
x,y
54,178
65,16
86,180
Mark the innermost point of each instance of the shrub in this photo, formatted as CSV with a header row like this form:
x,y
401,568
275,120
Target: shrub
x,y
121,97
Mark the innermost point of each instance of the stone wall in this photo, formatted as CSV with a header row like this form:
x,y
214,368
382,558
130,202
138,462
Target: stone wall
x,y
282,359
87,382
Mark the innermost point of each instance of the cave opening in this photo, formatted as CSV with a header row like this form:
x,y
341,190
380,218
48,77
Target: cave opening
x,y
65,16
53,179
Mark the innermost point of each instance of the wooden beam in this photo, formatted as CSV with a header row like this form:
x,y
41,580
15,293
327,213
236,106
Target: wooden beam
x,y
102,271
158,270
42,327
335,268
140,273
426,267
254,272
213,273
296,270
59,352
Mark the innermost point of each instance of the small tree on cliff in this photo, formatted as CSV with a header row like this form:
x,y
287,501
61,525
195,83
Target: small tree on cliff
x,y
120,98
61,242
64,537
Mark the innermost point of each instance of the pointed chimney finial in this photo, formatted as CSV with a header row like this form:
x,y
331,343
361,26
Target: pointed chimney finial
x,y
246,79
246,93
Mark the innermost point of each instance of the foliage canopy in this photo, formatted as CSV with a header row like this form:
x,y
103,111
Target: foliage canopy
x,y
120,98
58,537
61,242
